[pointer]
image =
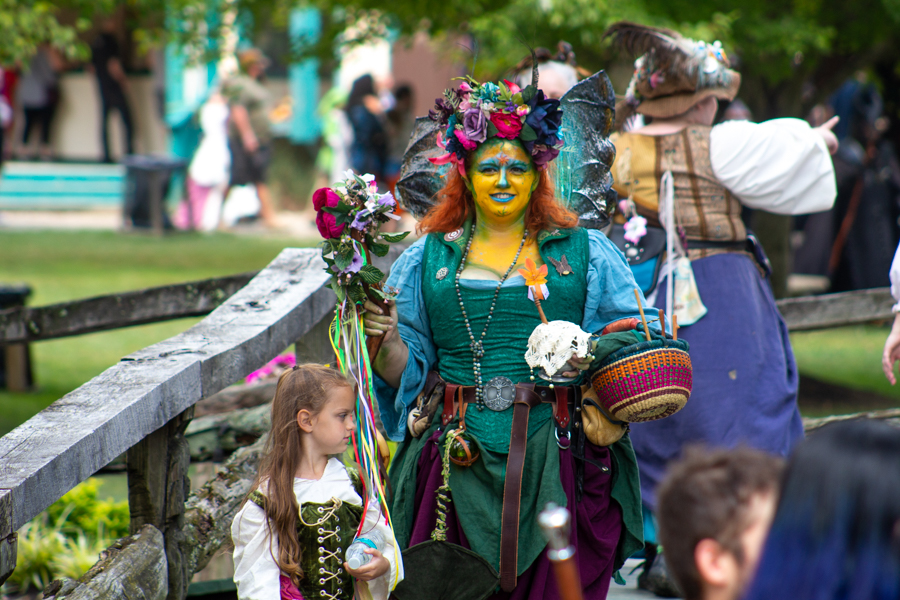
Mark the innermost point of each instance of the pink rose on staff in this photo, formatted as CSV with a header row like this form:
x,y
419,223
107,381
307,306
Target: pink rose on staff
x,y
508,126
326,223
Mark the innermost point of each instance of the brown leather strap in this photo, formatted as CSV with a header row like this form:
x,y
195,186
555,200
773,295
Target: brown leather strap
x,y
561,407
449,403
526,398
463,404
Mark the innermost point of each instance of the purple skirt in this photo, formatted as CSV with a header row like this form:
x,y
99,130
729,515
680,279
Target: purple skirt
x,y
745,377
596,524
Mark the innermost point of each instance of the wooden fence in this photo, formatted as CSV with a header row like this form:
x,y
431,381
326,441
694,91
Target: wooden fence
x,y
142,405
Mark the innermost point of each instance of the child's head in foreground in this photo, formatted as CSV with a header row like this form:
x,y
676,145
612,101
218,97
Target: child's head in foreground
x,y
714,509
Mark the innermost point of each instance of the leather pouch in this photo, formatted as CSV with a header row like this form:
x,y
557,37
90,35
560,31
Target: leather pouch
x,y
599,429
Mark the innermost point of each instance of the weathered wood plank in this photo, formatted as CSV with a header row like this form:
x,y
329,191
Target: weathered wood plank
x,y
835,310
192,299
85,430
133,568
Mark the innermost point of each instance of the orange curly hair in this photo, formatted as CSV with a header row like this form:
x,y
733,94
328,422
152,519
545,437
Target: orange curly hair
x,y
455,203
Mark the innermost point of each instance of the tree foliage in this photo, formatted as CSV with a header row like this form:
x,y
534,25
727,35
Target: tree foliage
x,y
790,52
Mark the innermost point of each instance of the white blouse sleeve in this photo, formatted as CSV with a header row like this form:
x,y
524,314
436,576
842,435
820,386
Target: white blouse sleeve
x,y
781,166
256,574
380,588
895,280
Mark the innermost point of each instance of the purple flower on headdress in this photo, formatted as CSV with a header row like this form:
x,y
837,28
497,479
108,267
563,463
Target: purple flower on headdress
x,y
541,155
442,111
475,125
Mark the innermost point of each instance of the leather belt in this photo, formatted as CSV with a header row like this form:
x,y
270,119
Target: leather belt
x,y
457,397
559,396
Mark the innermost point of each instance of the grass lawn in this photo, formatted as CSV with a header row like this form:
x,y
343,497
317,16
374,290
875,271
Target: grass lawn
x,y
847,356
63,265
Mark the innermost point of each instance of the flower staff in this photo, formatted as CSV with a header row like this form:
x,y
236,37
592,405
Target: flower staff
x,y
349,217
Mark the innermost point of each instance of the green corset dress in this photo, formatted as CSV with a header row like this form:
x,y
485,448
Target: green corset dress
x,y
329,528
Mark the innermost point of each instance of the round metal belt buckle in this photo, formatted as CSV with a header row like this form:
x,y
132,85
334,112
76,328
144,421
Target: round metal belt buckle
x,y
499,393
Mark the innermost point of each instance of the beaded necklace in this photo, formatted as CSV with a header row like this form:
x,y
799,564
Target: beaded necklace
x,y
477,347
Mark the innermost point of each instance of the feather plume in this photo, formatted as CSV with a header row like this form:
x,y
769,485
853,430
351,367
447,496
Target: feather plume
x,y
639,39
667,50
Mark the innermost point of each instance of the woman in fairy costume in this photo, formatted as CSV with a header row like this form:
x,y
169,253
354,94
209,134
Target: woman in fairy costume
x,y
456,337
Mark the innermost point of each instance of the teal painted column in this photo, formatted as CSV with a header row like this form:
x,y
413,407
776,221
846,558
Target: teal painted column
x,y
303,78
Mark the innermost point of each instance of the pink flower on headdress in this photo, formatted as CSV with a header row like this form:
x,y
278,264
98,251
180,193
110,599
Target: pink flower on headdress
x,y
513,88
656,78
523,110
508,126
447,158
466,142
465,87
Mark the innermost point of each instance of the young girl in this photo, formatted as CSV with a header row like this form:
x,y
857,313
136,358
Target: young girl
x,y
278,555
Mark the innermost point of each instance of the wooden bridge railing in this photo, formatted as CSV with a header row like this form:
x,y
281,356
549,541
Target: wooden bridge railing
x,y
143,404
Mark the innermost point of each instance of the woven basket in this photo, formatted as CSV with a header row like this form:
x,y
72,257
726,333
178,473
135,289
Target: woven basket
x,y
645,381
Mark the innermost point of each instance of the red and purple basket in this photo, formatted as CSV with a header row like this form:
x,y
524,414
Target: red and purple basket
x,y
645,381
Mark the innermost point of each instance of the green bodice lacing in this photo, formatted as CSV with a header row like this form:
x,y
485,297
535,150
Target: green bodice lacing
x,y
325,531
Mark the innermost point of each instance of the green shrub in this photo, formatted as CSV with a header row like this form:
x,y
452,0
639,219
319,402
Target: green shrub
x,y
66,539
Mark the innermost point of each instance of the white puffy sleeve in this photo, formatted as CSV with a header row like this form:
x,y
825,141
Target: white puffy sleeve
x,y
255,572
781,166
895,280
380,588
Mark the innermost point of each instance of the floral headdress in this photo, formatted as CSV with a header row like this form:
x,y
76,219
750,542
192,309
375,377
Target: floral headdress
x,y
474,112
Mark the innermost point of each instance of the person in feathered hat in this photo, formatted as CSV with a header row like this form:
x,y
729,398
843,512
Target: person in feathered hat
x,y
681,175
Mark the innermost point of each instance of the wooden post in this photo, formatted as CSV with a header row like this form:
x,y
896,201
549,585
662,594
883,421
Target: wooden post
x,y
17,358
315,346
158,486
8,543
156,202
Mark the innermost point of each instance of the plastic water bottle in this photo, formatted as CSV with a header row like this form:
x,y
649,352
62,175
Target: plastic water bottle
x,y
356,554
